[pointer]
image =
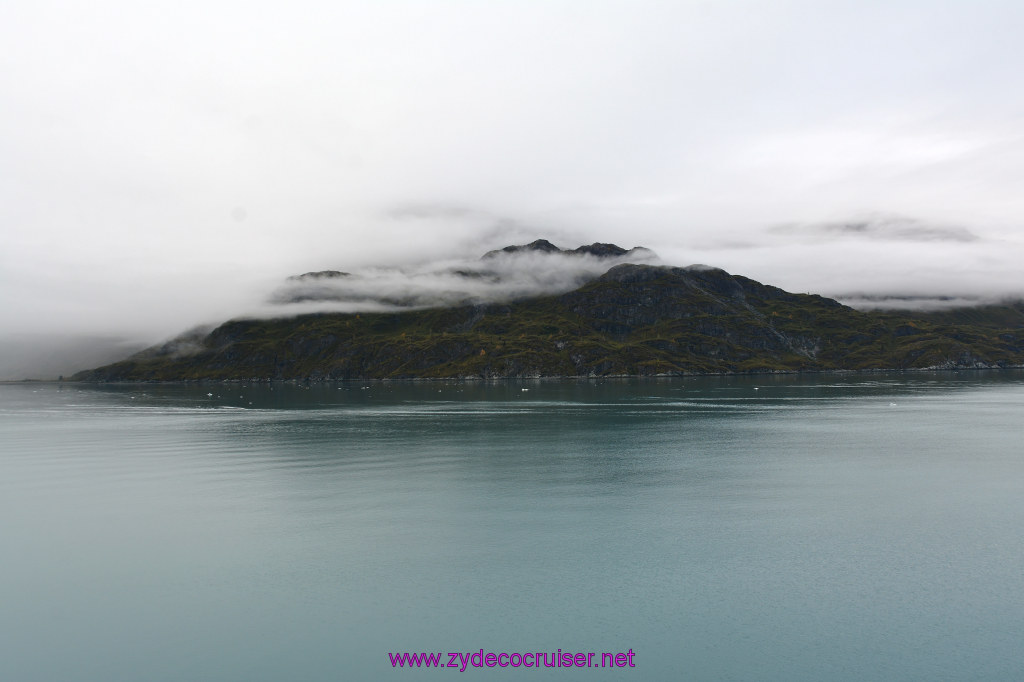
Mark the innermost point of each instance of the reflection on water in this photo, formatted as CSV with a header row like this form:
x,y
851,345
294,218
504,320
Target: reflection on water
x,y
769,527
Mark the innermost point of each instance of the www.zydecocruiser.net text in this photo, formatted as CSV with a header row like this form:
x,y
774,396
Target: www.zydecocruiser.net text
x,y
531,659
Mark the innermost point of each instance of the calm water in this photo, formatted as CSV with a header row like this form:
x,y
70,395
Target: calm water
x,y
842,528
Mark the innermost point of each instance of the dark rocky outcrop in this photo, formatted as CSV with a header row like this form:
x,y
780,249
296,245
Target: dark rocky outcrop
x,y
596,249
540,245
322,274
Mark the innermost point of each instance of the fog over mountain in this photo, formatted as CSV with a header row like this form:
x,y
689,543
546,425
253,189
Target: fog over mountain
x,y
163,169
507,274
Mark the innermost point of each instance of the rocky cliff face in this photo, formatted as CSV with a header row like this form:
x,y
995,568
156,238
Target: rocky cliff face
x,y
634,319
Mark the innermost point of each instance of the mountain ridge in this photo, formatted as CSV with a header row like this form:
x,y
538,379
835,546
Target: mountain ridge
x,y
635,319
597,249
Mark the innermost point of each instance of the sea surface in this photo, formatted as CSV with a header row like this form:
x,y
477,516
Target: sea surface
x,y
825,527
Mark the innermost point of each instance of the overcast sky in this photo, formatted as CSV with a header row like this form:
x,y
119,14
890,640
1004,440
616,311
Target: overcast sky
x,y
167,164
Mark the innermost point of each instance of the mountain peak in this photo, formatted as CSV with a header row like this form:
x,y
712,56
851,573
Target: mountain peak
x,y
321,274
601,250
542,245
597,249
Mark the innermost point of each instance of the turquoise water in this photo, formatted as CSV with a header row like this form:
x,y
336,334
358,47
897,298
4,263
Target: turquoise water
x,y
761,528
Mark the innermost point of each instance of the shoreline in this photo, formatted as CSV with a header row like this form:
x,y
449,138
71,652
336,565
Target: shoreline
x,y
539,377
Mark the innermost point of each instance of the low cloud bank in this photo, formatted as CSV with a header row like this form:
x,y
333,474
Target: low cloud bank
x,y
915,303
79,315
503,275
875,260
879,227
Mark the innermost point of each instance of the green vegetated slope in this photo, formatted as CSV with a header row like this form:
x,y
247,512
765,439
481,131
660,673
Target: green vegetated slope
x,y
635,320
